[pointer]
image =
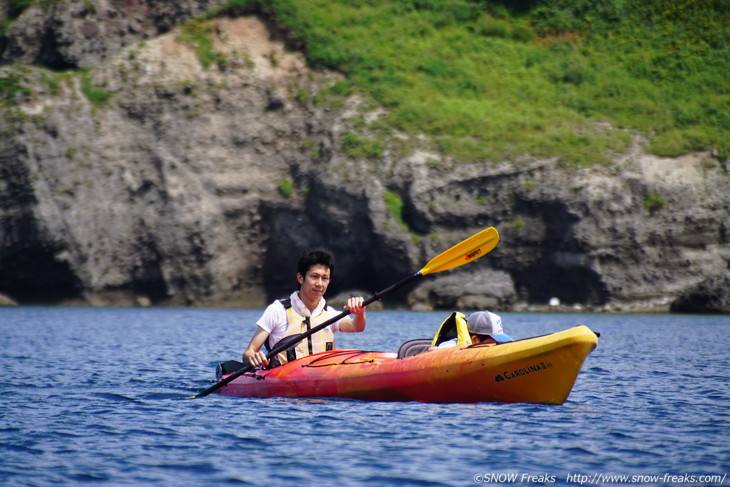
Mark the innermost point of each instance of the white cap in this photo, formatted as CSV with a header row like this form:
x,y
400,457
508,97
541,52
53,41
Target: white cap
x,y
487,323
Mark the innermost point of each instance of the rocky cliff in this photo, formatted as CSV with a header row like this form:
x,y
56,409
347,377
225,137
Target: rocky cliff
x,y
152,178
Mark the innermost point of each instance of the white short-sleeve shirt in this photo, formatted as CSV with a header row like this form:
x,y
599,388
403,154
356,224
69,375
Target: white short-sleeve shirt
x,y
275,322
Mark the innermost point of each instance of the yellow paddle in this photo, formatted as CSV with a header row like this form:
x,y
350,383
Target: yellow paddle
x,y
472,248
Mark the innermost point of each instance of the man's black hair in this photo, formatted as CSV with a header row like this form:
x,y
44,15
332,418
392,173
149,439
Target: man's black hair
x,y
316,257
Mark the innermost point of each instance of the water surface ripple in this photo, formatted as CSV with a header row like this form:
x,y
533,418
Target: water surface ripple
x,y
98,397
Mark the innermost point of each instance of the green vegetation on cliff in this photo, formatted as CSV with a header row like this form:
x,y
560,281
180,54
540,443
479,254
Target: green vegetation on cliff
x,y
503,79
491,79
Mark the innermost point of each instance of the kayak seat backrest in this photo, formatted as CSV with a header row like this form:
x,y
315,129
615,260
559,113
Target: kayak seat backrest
x,y
228,368
413,347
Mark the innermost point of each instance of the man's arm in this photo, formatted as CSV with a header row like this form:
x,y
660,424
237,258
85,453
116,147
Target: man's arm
x,y
253,353
358,321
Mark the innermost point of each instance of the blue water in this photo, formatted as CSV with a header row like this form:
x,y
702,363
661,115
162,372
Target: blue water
x,y
98,397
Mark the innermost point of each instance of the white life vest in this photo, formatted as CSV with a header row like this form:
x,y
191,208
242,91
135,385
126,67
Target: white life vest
x,y
321,341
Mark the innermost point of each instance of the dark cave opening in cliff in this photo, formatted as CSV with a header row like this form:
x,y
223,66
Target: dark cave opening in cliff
x,y
574,285
50,55
352,273
150,283
34,275
362,263
147,276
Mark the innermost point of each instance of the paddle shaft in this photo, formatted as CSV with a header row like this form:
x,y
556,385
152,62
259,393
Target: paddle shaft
x,y
285,344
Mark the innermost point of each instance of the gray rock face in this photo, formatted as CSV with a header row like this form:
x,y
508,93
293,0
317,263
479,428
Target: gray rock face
x,y
81,34
601,236
708,296
195,186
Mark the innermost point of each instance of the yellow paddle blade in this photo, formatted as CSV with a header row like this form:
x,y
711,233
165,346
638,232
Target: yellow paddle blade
x,y
470,249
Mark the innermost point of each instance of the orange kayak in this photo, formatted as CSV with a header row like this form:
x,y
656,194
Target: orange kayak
x,y
534,370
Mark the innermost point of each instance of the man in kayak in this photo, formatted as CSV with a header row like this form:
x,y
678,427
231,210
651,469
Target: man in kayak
x,y
483,327
303,310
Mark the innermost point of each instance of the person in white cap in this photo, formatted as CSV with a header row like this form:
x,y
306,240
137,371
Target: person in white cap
x,y
483,327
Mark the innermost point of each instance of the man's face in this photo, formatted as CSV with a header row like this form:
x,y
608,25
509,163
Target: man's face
x,y
314,284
